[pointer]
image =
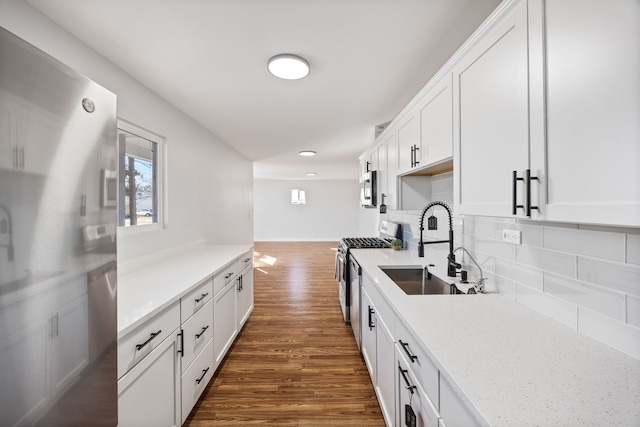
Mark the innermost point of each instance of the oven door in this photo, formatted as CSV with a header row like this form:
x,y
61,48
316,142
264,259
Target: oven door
x,y
355,274
343,284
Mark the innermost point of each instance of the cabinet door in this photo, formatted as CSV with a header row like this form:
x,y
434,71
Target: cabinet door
x,y
385,385
225,325
392,167
368,344
245,296
436,122
593,106
24,360
412,401
452,409
491,125
70,344
7,134
149,394
409,143
382,169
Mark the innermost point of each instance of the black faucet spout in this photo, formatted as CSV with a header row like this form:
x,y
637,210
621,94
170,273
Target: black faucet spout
x,y
451,258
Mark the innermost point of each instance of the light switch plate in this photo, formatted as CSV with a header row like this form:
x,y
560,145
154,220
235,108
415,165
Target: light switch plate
x,y
512,236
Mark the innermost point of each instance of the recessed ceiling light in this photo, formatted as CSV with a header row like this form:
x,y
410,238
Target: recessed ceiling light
x,y
288,66
307,153
311,174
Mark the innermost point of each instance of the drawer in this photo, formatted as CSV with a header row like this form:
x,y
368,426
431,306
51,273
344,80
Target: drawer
x,y
197,332
412,394
137,344
383,309
245,260
452,409
195,300
196,378
419,363
226,275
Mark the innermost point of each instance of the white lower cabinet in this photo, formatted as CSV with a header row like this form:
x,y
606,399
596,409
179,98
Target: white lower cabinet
x,y
414,409
148,395
378,348
225,325
452,410
196,377
165,364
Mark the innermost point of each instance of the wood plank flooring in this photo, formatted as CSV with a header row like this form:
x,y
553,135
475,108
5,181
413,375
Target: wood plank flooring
x,y
296,362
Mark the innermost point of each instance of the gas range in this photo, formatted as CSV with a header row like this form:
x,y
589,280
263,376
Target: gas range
x,y
364,243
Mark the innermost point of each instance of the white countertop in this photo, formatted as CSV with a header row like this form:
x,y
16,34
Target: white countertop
x,y
511,365
146,292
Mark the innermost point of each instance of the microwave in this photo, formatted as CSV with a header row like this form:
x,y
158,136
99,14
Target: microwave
x,y
368,190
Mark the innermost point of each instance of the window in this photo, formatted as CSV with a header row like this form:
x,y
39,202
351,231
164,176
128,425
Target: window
x,y
298,197
139,177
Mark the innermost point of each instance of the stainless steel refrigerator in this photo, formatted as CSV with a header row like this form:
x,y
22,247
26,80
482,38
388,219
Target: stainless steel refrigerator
x,y
58,203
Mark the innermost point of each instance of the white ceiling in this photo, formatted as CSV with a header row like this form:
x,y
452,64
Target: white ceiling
x,y
209,58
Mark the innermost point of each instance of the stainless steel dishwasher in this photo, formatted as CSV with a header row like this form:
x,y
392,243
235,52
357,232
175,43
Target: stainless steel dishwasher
x,y
102,309
354,301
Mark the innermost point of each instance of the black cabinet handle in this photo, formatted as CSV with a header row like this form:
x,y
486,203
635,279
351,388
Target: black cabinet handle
x,y
403,372
203,296
247,259
528,179
405,347
228,275
514,205
415,155
153,335
367,168
181,350
371,312
204,328
204,372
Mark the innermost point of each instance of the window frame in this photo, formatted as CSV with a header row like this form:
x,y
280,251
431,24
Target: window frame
x,y
123,125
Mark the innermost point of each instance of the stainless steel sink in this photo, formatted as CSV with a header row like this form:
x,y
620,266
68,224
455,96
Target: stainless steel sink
x,y
417,281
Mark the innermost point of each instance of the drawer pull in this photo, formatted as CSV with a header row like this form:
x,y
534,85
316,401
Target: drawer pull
x,y
153,335
204,372
181,335
228,275
409,387
202,331
405,347
203,296
371,325
247,259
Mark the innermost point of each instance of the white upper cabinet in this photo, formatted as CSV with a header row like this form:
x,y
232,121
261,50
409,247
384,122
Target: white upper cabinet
x,y
491,123
409,150
436,122
593,111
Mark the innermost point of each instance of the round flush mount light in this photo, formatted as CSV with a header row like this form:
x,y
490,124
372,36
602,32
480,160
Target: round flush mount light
x,y
310,174
307,153
288,66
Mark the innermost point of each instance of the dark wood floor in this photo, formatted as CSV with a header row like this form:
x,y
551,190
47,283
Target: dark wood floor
x,y
295,362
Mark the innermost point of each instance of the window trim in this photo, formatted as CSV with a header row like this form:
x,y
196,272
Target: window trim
x,y
161,189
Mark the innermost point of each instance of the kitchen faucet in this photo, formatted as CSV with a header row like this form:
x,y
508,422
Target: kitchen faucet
x,y
6,228
479,287
452,265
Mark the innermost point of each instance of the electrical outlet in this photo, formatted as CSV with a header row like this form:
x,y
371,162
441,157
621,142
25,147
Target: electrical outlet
x,y
511,236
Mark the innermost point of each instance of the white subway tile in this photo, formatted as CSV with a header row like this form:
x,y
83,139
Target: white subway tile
x,y
611,304
531,277
548,260
481,228
501,285
620,277
492,247
633,311
599,244
618,335
502,267
562,311
633,248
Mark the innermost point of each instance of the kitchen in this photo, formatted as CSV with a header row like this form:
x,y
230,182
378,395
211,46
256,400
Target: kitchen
x,y
547,257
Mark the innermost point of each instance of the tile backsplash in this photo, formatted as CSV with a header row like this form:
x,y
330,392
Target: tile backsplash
x,y
585,277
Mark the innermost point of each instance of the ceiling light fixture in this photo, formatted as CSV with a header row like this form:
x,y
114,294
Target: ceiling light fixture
x,y
288,66
307,153
310,174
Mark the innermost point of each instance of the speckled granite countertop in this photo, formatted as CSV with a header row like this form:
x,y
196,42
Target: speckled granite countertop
x,y
510,365
146,292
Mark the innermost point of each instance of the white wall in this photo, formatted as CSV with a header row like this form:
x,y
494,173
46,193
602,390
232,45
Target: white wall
x,y
331,211
209,183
